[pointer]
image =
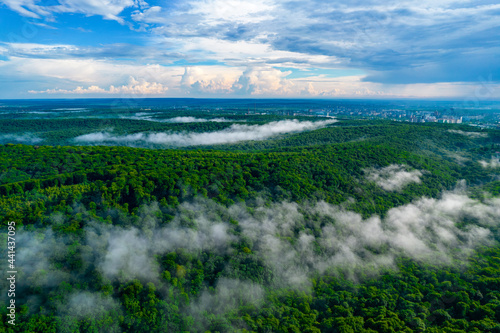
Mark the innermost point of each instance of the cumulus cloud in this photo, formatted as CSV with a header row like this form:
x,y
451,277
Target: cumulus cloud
x,y
134,88
263,81
85,71
366,35
313,38
199,80
67,66
232,134
152,14
393,177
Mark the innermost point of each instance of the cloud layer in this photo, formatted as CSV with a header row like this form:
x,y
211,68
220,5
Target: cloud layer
x,y
234,133
293,241
263,48
492,164
134,88
473,135
393,177
26,138
195,120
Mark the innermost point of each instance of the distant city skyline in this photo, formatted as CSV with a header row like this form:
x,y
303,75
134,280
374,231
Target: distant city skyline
x,y
445,49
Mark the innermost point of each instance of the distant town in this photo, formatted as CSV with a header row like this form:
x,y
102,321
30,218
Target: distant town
x,y
484,118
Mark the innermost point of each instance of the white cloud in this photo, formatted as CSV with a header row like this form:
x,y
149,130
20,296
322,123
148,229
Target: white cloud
x,y
393,177
87,304
292,241
249,52
492,164
108,9
26,138
150,15
239,11
234,133
263,81
228,295
67,73
429,230
150,117
134,88
205,80
27,8
251,69
195,120
370,36
89,71
37,49
470,134
123,260
80,70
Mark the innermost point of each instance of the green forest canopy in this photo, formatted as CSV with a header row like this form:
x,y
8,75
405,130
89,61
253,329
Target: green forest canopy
x,y
262,223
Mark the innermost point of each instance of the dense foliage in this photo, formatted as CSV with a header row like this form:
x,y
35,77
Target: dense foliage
x,y
67,199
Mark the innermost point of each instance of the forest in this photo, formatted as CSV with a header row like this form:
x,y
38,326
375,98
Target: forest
x,y
345,225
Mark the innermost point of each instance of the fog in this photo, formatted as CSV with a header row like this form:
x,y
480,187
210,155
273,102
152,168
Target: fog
x,y
292,241
232,134
26,138
393,177
492,164
151,116
195,120
473,135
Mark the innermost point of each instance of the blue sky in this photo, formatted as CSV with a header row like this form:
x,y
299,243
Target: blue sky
x,y
250,48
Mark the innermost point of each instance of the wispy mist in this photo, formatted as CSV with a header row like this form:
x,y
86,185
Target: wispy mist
x,y
127,253
492,164
26,138
473,135
196,120
151,116
228,295
85,304
393,177
293,242
328,237
232,134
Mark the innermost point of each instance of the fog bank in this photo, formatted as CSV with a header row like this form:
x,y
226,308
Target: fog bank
x,y
232,134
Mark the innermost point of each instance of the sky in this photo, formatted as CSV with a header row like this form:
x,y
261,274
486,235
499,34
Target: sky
x,y
250,48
